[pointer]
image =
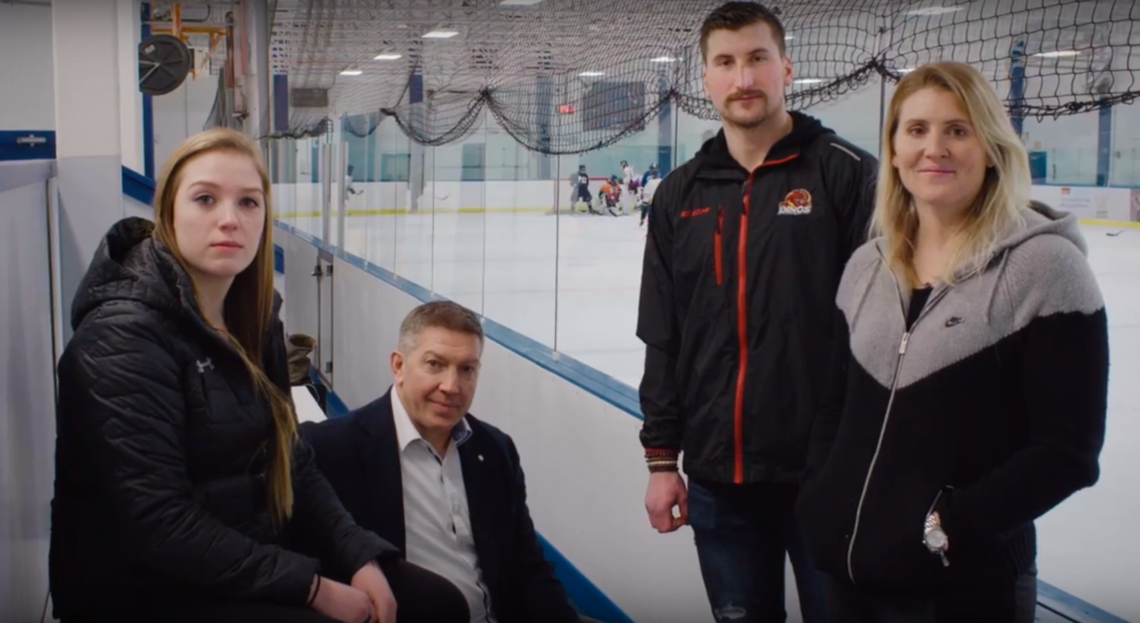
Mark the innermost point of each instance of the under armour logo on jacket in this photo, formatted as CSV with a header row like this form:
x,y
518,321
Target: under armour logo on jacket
x,y
208,364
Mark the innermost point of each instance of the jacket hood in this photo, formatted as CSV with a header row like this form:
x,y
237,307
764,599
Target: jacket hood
x,y
131,265
1037,220
714,153
1040,220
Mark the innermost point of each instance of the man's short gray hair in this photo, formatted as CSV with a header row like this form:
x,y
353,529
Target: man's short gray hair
x,y
438,315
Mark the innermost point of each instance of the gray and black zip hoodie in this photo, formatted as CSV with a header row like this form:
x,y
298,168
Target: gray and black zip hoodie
x,y
989,409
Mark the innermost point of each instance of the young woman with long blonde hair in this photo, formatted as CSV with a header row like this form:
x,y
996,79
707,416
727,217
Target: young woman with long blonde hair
x,y
180,479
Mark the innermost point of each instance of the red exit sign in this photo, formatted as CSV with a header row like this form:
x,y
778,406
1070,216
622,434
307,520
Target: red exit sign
x,y
566,109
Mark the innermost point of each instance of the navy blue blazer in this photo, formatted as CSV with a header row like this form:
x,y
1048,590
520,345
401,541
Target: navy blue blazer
x,y
359,456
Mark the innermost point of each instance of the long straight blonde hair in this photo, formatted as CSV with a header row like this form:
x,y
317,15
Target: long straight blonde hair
x,y
248,304
1005,190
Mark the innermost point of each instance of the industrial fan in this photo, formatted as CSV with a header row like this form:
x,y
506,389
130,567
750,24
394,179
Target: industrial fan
x,y
164,62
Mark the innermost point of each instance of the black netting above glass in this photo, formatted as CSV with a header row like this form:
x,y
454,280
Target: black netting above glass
x,y
570,76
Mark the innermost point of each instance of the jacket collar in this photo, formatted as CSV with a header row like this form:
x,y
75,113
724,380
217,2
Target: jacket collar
x,y
716,162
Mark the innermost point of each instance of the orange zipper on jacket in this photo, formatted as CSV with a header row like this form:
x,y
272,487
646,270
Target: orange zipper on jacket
x,y
742,322
718,251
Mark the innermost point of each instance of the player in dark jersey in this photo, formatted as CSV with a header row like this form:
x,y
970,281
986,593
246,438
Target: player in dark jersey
x,y
581,183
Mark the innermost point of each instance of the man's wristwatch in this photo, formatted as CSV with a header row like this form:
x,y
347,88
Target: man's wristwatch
x,y
935,538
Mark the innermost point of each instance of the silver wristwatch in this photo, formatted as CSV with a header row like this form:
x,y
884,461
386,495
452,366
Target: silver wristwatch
x,y
935,538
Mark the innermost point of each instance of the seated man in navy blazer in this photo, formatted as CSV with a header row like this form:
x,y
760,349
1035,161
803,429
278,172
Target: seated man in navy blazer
x,y
415,468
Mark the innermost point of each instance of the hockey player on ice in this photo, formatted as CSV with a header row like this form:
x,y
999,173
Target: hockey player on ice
x,y
611,191
580,181
653,180
631,183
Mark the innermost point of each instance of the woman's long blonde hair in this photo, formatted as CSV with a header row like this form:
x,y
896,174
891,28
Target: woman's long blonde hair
x,y
1005,191
248,304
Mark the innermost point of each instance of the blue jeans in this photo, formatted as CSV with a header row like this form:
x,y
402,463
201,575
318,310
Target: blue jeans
x,y
744,536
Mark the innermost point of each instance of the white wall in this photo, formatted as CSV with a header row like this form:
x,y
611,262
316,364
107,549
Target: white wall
x,y
134,207
1126,144
27,394
181,114
130,98
27,97
27,100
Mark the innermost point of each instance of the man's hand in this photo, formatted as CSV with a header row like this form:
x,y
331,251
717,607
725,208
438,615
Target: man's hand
x,y
666,491
370,579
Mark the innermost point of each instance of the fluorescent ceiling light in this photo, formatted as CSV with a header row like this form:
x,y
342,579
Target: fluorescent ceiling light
x,y
905,70
662,59
519,2
935,10
789,37
590,74
1058,54
808,81
440,34
351,72
387,56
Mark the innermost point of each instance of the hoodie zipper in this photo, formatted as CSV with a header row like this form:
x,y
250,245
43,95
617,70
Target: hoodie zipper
x,y
742,320
718,252
887,416
742,332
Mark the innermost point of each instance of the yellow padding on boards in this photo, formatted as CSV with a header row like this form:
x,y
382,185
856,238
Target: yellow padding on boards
x,y
1098,222
404,212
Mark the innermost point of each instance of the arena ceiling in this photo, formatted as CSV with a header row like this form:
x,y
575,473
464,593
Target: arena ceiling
x,y
370,47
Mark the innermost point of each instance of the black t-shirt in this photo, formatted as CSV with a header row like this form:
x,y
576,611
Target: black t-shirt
x,y
918,300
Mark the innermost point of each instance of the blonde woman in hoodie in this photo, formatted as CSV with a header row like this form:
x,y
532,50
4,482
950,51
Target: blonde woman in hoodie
x,y
969,393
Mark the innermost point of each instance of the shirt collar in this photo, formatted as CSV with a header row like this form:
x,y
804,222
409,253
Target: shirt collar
x,y
406,432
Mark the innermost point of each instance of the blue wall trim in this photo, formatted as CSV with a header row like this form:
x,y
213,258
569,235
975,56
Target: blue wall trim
x,y
1104,146
147,105
280,103
587,598
1017,85
1071,608
14,145
138,186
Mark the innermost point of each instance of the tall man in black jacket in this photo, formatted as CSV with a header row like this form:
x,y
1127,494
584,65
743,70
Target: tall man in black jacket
x,y
743,259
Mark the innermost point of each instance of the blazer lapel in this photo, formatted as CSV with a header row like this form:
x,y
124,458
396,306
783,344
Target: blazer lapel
x,y
479,463
381,475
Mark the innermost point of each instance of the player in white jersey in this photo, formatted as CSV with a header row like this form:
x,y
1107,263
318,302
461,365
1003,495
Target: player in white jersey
x,y
631,183
647,191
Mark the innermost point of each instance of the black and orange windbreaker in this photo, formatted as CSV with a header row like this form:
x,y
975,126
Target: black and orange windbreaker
x,y
737,299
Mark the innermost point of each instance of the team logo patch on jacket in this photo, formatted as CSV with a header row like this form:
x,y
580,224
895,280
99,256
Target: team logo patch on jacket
x,y
797,202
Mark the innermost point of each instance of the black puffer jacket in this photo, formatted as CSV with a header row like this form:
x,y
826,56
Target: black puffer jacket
x,y
161,453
